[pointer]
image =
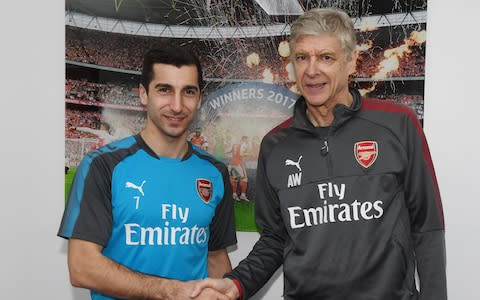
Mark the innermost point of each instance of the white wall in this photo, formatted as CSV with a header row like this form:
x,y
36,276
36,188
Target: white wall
x,y
452,105
33,259
32,262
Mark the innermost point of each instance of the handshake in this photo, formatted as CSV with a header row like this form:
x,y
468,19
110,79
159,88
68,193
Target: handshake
x,y
208,289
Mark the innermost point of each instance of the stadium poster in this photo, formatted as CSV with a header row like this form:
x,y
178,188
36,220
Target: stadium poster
x,y
250,86
230,125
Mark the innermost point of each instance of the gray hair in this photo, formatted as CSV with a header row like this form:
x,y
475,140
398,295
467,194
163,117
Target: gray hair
x,y
318,21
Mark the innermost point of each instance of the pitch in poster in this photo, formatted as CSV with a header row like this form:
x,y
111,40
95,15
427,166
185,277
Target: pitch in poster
x,y
250,85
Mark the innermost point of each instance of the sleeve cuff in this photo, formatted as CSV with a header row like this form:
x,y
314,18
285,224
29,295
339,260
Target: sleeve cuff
x,y
239,287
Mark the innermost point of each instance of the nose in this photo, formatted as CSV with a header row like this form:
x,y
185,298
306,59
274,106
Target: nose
x,y
311,69
176,103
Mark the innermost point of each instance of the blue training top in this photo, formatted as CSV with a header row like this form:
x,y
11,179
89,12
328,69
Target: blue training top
x,y
154,215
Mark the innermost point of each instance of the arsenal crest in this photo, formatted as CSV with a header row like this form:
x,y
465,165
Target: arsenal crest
x,y
366,152
204,189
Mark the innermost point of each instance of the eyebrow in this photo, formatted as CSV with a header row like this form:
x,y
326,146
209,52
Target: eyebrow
x,y
166,85
194,87
162,85
315,53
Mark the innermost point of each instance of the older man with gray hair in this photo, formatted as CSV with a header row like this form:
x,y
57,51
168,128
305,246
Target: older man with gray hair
x,y
362,211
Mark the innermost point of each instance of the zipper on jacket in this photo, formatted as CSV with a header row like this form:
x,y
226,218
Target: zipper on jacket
x,y
324,150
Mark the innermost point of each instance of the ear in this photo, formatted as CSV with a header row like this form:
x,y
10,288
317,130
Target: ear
x,y
352,64
199,102
143,94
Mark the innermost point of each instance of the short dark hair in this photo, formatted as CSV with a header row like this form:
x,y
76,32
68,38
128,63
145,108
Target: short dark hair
x,y
169,55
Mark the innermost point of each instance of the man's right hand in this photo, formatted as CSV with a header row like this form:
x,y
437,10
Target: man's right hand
x,y
89,268
224,286
179,290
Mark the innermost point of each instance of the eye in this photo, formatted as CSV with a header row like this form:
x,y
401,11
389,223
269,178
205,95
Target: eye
x,y
163,90
191,92
300,57
327,57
